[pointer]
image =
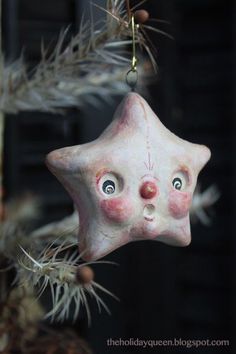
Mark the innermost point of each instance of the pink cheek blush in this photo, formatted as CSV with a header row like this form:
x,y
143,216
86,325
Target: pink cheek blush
x,y
118,210
179,204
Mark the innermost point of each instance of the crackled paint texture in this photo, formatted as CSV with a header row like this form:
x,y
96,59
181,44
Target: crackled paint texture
x,y
134,182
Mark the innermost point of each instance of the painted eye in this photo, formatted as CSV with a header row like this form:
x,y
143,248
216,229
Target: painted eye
x,y
180,180
177,183
108,187
111,184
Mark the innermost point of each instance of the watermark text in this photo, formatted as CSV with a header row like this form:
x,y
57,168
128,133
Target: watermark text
x,y
175,342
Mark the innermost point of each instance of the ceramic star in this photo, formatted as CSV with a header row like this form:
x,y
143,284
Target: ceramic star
x,y
134,182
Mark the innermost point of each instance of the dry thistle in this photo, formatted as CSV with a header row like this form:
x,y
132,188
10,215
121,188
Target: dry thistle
x,y
91,67
57,268
203,201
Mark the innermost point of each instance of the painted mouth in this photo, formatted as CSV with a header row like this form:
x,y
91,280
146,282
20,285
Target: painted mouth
x,y
148,212
148,218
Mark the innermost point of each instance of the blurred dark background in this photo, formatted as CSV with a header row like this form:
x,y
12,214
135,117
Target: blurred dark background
x,y
165,292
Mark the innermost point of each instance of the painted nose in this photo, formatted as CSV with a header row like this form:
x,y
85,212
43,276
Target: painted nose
x,y
148,190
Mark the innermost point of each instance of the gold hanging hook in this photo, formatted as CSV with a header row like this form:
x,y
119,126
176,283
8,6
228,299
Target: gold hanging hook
x,y
132,74
134,59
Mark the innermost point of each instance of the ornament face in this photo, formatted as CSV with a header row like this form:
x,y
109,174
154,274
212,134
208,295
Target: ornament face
x,y
134,182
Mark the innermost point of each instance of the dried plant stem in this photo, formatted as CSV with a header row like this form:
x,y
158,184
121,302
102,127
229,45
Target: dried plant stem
x,y
1,52
90,66
56,269
3,276
1,163
128,8
1,28
1,121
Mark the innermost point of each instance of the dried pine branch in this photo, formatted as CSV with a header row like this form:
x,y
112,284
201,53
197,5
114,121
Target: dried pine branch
x,y
92,65
56,268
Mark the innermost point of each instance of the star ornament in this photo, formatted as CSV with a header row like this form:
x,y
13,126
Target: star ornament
x,y
135,182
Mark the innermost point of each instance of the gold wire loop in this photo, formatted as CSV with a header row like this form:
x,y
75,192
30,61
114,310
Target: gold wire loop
x,y
132,78
132,74
134,59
